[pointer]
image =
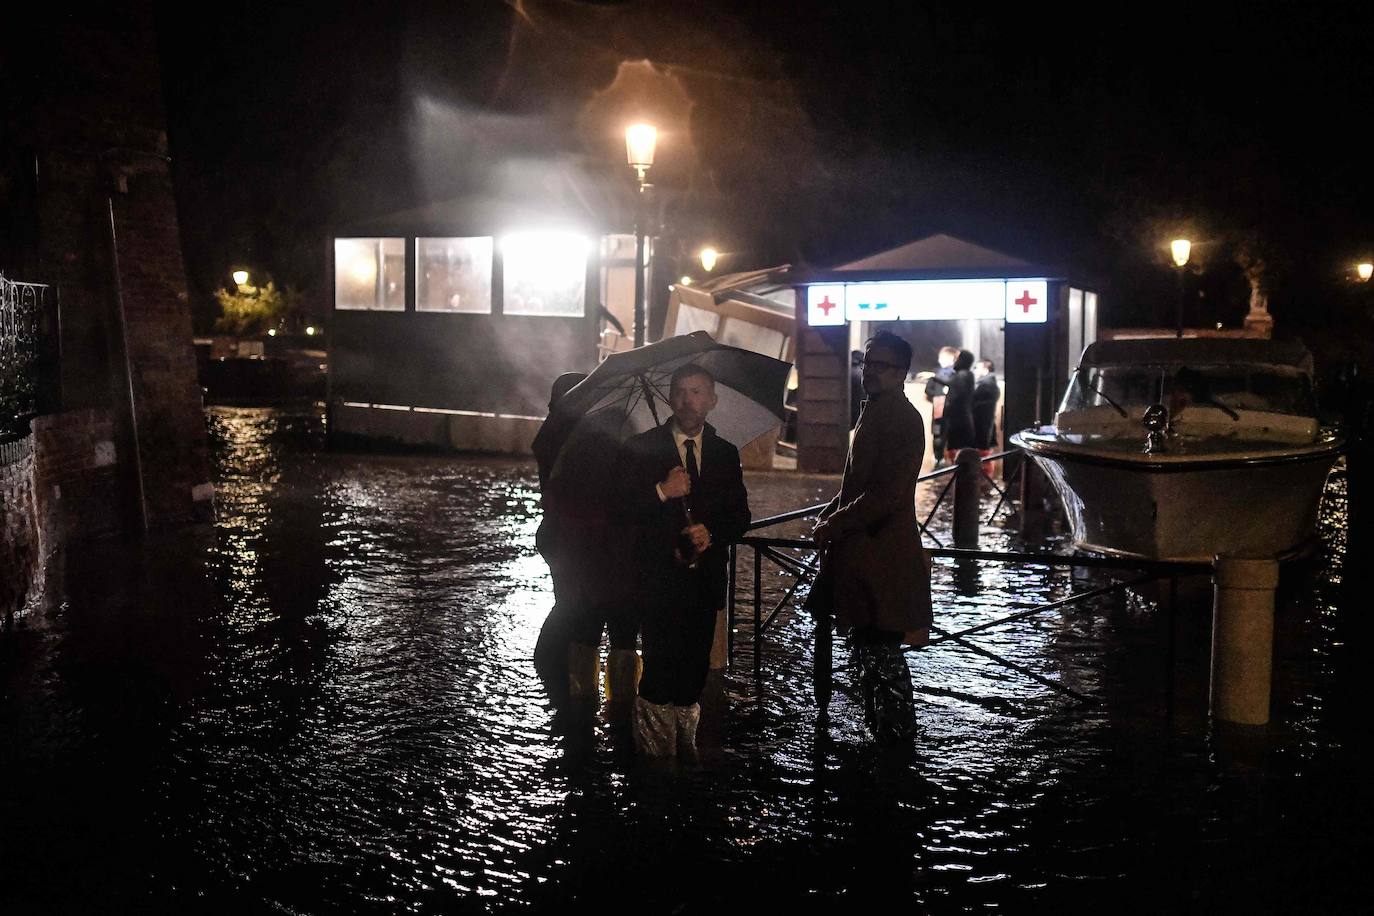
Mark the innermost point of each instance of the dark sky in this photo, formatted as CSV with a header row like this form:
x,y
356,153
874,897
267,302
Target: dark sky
x,y
814,131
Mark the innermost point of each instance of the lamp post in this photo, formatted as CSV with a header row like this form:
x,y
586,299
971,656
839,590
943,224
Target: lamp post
x,y
240,277
1364,271
640,140
1180,249
709,256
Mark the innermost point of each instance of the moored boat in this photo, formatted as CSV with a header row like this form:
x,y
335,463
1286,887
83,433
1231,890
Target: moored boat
x,y
1182,449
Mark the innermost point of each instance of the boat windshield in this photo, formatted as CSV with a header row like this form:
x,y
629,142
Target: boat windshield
x,y
1270,389
1110,386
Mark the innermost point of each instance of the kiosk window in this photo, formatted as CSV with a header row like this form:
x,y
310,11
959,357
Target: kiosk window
x,y
690,318
746,336
453,275
544,273
370,273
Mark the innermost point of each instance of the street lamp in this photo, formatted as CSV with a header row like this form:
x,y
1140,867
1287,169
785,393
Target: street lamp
x,y
1364,271
709,256
1180,249
640,140
241,277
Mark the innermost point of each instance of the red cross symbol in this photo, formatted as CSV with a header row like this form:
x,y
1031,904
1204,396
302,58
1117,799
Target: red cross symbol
x,y
1025,301
825,305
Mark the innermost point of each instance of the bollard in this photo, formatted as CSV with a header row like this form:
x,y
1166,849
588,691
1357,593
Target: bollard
x,y
1032,515
1243,638
968,496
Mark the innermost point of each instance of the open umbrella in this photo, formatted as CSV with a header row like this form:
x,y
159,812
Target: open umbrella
x,y
628,393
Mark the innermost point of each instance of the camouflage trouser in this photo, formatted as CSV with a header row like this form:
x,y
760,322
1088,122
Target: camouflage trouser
x,y
885,683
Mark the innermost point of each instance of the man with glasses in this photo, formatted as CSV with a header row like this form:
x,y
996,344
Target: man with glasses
x,y
875,574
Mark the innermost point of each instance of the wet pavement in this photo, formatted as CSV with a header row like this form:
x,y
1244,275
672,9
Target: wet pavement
x,y
325,703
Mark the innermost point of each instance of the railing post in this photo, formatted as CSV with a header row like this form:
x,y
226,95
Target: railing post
x,y
1033,517
967,497
730,609
758,610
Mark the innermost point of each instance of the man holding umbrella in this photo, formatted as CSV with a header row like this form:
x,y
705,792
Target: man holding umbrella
x,y
683,497
678,507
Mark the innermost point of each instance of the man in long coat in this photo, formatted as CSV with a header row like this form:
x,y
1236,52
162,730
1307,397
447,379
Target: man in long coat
x,y
683,497
873,565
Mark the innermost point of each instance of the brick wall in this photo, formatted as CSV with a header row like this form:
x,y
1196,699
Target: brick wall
x,y
80,487
822,398
20,550
107,238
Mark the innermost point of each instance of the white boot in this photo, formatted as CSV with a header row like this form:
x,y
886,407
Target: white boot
x,y
655,728
688,718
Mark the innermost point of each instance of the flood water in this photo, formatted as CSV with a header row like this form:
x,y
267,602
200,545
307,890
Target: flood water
x,y
325,703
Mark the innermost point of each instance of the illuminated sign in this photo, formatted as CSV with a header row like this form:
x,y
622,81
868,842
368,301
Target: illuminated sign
x,y
1017,301
825,305
925,300
1027,302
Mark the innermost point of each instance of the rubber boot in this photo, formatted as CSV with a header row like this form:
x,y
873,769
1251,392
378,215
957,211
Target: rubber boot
x,y
623,668
584,670
889,702
655,728
688,718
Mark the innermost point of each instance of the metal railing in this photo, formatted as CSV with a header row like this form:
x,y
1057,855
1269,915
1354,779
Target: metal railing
x,y
27,339
802,567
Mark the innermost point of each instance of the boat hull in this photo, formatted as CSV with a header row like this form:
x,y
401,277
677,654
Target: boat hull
x,y
1189,512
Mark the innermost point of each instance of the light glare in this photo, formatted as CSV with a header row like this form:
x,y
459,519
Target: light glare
x,y
708,258
241,277
1365,270
1180,249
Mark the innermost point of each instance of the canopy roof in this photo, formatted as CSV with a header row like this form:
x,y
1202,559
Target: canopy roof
x,y
1197,351
937,252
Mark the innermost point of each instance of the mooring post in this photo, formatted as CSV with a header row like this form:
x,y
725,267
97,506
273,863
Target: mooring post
x,y
1032,498
1243,638
967,497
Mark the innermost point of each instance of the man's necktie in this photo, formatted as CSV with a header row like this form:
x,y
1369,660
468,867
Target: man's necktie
x,y
693,469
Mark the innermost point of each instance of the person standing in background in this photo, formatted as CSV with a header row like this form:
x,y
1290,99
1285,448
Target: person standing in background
x,y
935,393
986,394
959,430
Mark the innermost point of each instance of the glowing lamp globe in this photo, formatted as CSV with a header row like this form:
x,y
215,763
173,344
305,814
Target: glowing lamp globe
x,y
640,140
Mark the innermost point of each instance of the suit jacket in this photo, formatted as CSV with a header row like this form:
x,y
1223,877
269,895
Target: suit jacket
x,y
719,502
876,571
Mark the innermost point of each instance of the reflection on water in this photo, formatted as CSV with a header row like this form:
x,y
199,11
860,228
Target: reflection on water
x,y
326,704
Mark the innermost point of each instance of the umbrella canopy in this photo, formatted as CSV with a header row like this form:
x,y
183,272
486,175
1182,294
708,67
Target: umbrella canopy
x,y
628,393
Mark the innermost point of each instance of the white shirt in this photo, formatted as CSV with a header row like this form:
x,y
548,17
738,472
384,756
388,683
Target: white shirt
x,y
682,439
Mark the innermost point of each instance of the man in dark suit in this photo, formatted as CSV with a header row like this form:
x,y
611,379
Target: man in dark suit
x,y
683,499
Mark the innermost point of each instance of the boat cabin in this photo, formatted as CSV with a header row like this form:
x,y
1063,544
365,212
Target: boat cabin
x,y
1208,387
